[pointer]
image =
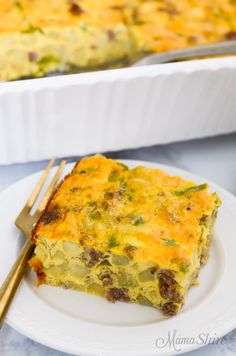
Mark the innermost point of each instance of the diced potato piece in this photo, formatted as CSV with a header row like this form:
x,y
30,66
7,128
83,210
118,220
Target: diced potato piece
x,y
79,270
70,247
147,275
96,289
41,252
120,260
125,279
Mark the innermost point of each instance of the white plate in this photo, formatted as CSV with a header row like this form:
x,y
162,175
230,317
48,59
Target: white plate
x,y
83,324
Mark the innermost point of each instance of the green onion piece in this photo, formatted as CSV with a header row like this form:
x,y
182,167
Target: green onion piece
x,y
18,5
184,267
126,168
32,29
84,27
112,242
193,189
217,200
92,204
170,242
96,215
138,221
45,61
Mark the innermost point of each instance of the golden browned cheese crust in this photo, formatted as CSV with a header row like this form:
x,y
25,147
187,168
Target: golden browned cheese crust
x,y
137,235
160,26
38,37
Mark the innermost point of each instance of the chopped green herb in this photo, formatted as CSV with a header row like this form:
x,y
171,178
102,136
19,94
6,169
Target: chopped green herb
x,y
214,215
123,184
84,27
18,5
126,168
32,29
139,22
45,61
184,267
96,215
92,204
139,221
218,201
170,242
113,176
112,242
204,219
129,197
193,189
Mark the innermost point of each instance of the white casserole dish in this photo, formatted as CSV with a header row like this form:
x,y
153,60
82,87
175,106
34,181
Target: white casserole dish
x,y
116,109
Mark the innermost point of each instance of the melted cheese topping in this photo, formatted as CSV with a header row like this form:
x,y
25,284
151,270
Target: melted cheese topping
x,y
102,204
163,25
38,37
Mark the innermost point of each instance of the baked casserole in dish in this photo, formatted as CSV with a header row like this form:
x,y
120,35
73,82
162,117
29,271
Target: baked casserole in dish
x,y
134,235
40,37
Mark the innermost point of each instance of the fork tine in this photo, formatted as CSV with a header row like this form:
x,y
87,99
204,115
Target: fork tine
x,y
39,186
50,189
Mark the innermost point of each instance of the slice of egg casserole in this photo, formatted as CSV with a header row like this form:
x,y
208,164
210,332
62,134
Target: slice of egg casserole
x,y
40,37
134,235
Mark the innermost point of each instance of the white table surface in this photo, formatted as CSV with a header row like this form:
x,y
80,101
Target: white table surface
x,y
213,158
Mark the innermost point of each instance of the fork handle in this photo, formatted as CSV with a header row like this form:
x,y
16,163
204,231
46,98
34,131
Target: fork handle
x,y
12,281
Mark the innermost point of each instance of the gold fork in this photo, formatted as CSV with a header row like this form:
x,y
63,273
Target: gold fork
x,y
25,223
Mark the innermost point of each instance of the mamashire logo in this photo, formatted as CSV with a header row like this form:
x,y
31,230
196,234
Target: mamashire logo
x,y
175,342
